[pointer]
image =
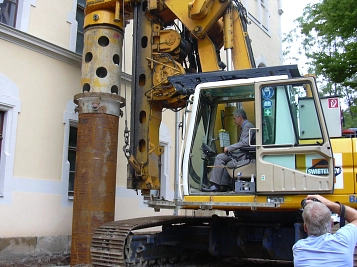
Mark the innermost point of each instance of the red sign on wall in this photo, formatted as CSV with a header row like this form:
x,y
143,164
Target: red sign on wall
x,y
333,103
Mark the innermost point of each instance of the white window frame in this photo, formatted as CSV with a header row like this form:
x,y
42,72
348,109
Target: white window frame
x,y
262,6
70,118
23,14
264,15
71,19
11,105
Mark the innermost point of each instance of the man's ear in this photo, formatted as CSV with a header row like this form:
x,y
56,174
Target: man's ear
x,y
305,229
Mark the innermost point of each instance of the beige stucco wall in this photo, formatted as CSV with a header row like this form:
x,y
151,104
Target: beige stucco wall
x,y
45,84
266,45
48,21
263,44
41,206
34,214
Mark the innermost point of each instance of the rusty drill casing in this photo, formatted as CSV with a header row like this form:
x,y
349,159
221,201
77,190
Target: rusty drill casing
x,y
97,136
94,195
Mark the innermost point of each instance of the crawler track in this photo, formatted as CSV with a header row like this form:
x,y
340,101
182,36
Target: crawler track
x,y
110,242
183,240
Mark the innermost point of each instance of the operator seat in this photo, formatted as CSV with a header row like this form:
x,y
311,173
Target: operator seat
x,y
246,165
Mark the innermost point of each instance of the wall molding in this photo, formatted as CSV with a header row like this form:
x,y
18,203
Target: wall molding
x,y
31,42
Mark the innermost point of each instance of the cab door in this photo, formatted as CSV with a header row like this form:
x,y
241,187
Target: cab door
x,y
293,151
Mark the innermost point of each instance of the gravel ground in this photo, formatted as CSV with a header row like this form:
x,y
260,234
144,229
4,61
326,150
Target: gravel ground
x,y
203,262
239,263
225,262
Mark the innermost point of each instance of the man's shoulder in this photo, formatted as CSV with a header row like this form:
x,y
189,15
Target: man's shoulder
x,y
298,244
347,235
347,228
302,242
312,241
248,124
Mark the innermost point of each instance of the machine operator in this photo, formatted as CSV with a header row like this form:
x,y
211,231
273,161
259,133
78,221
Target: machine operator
x,y
220,178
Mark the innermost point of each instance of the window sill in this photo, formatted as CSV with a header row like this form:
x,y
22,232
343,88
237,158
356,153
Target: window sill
x,y
259,24
70,195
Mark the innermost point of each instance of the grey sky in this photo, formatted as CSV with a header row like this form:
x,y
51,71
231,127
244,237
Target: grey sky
x,y
292,10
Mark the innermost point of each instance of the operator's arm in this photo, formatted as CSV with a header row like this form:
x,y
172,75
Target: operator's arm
x,y
351,214
243,140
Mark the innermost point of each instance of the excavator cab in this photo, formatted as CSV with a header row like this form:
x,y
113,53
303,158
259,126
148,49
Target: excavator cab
x,y
291,153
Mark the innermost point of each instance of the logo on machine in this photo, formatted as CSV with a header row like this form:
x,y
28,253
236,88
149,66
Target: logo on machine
x,y
319,167
353,198
267,92
267,103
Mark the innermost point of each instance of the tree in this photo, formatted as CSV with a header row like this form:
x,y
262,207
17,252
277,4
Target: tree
x,y
329,41
335,23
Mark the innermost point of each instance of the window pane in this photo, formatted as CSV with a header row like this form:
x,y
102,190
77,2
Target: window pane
x,y
71,182
79,44
81,3
72,149
269,108
72,159
73,137
289,116
198,173
80,20
8,12
2,114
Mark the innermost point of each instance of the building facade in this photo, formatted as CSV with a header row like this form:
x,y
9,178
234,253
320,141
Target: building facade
x,y
40,54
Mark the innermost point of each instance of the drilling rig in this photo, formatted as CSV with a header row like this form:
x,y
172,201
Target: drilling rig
x,y
177,66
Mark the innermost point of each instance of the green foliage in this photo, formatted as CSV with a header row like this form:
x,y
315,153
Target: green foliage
x,y
328,34
333,23
350,121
